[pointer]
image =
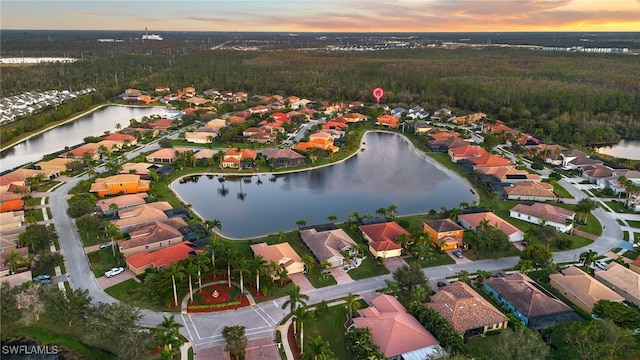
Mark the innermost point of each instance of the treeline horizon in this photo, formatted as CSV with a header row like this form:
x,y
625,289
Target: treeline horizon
x,y
567,98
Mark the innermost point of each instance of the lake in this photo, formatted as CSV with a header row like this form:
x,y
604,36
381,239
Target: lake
x,y
73,133
627,149
388,171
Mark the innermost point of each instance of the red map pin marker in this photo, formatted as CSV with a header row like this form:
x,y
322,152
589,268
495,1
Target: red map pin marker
x,y
378,93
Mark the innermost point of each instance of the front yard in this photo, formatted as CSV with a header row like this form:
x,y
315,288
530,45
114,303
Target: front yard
x,y
368,268
103,260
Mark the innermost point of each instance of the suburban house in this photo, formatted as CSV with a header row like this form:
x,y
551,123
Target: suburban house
x,y
327,242
120,184
238,159
443,145
7,182
355,117
320,140
282,158
551,153
468,312
141,214
58,165
633,203
398,334
22,274
152,236
122,138
439,134
581,288
261,135
596,172
529,302
282,254
165,156
161,125
10,202
468,120
142,169
389,121
163,258
79,153
530,190
382,238
444,232
201,137
574,159
635,265
216,124
24,174
621,280
11,220
465,152
205,154
111,205
473,220
539,213
488,160
507,175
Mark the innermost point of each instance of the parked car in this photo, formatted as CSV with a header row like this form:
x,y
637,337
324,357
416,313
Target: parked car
x,y
45,281
42,277
601,264
458,254
525,244
105,245
442,283
114,271
498,275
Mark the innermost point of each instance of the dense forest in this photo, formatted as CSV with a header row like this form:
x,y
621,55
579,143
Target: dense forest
x,y
569,98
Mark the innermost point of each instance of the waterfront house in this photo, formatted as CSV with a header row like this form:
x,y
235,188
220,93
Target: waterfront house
x,y
574,159
327,242
122,138
165,156
468,312
152,236
623,281
581,288
58,165
382,237
238,159
508,175
445,233
538,213
282,254
282,158
398,334
389,121
444,144
529,302
142,169
200,137
465,152
119,184
468,120
530,190
473,220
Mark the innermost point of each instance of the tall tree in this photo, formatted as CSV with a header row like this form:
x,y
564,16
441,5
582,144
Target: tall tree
x,y
353,305
242,268
258,264
176,271
296,299
236,341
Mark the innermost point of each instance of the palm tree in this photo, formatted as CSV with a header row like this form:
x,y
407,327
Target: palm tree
x,y
169,332
585,206
228,255
301,314
325,265
112,232
301,223
524,266
352,304
201,260
308,261
391,287
176,271
588,257
242,268
211,248
482,275
318,348
381,211
13,259
295,299
392,210
212,224
191,270
258,264
463,275
332,218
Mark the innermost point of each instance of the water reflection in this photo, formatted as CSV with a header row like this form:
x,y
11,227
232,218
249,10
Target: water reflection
x,y
389,172
626,149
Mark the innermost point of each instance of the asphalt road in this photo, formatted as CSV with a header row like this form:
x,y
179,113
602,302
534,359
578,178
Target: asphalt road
x,y
204,329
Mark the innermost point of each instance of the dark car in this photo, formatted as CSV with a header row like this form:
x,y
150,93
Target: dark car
x,y
458,254
498,275
442,283
42,277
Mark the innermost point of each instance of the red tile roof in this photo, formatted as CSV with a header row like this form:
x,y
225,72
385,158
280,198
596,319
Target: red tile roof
x,y
161,258
475,219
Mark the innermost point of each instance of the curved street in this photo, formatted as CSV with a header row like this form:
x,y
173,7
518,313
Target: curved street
x,y
204,329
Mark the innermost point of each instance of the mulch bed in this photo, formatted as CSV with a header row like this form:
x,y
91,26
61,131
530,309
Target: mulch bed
x,y
206,297
293,344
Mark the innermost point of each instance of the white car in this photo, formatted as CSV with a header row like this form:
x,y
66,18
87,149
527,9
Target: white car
x,y
601,264
113,272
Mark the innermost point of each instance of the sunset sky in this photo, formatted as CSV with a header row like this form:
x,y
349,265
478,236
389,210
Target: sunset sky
x,y
324,15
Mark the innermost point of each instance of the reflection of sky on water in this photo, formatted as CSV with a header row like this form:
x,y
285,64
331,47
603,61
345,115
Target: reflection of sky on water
x,y
627,149
387,172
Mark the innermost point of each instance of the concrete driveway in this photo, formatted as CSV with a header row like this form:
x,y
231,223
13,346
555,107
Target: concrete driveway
x,y
394,263
458,260
301,280
340,275
105,282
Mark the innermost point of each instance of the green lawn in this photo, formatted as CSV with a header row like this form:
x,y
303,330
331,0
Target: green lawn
x,y
331,329
592,226
436,259
479,347
318,279
634,223
103,260
625,235
631,254
134,293
618,206
32,201
558,189
93,237
368,268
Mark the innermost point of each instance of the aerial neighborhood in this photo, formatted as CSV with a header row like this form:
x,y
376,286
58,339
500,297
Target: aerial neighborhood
x,y
533,199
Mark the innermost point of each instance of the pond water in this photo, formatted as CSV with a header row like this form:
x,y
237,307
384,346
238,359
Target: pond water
x,y
626,149
388,171
73,133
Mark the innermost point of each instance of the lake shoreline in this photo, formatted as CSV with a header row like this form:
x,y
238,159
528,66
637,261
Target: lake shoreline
x,y
427,158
